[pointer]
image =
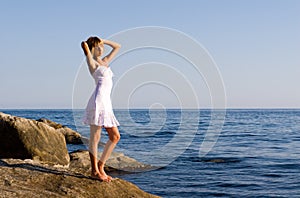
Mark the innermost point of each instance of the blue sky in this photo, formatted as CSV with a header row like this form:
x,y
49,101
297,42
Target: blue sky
x,y
255,44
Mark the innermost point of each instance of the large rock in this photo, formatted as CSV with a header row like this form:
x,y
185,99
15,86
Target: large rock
x,y
28,179
71,136
23,138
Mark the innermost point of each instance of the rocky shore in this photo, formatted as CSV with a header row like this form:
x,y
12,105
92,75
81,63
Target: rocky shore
x,y
34,162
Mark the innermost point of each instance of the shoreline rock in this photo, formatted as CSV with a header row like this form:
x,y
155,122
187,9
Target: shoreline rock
x,y
71,136
117,162
23,138
37,163
27,178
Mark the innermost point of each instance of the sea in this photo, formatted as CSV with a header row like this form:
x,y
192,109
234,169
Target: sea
x,y
202,152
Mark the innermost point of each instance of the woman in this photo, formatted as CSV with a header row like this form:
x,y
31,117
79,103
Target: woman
x,y
99,111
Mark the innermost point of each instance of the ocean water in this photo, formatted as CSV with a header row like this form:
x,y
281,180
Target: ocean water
x,y
256,154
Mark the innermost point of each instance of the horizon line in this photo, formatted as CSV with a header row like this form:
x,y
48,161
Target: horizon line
x,y
144,108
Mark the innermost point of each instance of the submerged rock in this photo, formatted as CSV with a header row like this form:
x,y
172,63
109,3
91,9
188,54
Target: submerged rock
x,y
23,138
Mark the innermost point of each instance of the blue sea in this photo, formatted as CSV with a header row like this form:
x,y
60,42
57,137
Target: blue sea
x,y
256,153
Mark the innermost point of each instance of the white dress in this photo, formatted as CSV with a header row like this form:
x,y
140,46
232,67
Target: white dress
x,y
99,108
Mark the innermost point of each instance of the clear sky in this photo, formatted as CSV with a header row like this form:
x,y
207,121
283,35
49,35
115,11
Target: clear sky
x,y
255,43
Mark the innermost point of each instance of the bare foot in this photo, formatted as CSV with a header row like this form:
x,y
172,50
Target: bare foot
x,y
101,170
109,177
101,177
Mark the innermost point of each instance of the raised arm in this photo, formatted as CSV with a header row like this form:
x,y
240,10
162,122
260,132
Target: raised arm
x,y
89,57
115,48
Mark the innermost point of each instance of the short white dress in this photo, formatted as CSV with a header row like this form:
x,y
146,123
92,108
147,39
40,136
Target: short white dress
x,y
99,110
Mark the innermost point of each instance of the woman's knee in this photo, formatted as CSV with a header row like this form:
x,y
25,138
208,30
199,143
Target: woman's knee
x,y
95,132
115,138
114,134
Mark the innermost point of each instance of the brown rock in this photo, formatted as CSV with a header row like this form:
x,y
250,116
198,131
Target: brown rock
x,y
24,179
23,138
71,136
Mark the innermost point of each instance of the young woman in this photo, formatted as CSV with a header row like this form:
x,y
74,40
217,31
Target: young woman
x,y
99,112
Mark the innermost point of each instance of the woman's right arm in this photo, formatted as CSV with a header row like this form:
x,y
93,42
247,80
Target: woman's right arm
x,y
115,48
89,57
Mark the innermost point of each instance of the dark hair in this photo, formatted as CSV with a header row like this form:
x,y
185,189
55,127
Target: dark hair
x,y
93,41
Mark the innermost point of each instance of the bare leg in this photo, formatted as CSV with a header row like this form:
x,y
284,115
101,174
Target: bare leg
x,y
95,134
114,137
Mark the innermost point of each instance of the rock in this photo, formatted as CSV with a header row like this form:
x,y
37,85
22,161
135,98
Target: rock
x,y
217,161
40,168
117,162
71,136
23,138
23,179
128,164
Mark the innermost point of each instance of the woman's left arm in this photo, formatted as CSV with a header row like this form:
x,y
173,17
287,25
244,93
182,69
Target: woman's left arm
x,y
115,48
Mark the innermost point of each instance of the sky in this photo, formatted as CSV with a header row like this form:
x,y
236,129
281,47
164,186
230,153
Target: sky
x,y
255,45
